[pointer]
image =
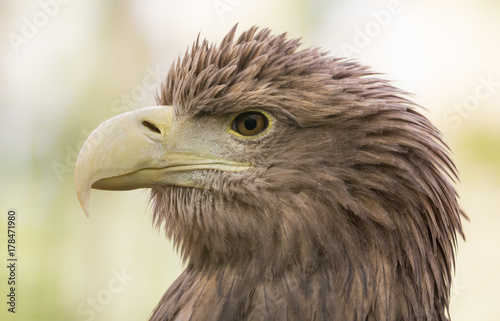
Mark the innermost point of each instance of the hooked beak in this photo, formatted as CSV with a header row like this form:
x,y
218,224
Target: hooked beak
x,y
134,150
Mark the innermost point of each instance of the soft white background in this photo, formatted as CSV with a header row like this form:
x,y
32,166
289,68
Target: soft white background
x,y
86,61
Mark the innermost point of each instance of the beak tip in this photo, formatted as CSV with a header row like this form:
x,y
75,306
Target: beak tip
x,y
86,211
84,203
82,184
83,194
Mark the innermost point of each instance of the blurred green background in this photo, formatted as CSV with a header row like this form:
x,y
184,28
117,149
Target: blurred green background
x,y
65,66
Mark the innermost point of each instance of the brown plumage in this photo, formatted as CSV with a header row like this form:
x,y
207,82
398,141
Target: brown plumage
x,y
347,212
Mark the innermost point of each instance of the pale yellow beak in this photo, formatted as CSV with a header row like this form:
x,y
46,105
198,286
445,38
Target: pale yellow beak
x,y
134,150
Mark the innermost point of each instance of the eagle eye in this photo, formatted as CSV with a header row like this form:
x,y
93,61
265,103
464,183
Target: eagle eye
x,y
250,123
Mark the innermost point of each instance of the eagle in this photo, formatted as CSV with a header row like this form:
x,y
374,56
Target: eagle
x,y
294,185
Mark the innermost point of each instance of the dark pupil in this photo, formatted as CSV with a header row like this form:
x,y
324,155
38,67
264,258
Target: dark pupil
x,y
250,123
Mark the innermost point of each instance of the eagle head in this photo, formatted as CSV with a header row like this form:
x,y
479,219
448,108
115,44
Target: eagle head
x,y
294,184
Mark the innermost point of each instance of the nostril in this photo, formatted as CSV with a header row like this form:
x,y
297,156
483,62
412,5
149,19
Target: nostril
x,y
151,126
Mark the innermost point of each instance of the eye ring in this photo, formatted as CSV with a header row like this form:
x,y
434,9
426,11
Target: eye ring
x,y
250,124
